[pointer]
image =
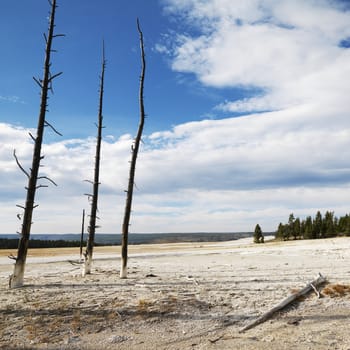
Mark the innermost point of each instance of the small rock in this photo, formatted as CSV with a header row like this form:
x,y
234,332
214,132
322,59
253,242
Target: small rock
x,y
151,275
70,340
118,339
295,321
269,338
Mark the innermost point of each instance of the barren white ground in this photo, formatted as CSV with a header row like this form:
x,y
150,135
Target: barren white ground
x,y
179,296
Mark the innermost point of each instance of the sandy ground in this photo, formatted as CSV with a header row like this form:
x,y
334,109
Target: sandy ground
x,y
180,296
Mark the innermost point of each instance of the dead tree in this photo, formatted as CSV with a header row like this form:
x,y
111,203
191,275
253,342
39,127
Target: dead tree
x,y
309,287
95,184
45,84
135,149
82,235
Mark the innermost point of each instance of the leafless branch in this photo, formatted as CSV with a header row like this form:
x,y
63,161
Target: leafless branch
x,y
89,181
41,186
49,125
39,82
48,179
19,165
54,76
32,137
315,290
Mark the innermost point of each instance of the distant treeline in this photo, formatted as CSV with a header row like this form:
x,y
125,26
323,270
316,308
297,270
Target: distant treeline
x,y
319,226
6,243
71,240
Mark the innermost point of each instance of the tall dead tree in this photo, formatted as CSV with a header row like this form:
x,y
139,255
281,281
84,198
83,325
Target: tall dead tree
x,y
135,149
16,279
82,235
95,184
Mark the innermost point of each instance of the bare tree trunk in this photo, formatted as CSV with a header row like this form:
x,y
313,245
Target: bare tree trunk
x,y
82,235
309,287
95,183
16,279
135,150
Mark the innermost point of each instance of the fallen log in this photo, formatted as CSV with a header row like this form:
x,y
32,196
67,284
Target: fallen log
x,y
309,287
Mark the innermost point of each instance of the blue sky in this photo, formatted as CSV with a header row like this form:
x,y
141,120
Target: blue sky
x,y
85,25
247,103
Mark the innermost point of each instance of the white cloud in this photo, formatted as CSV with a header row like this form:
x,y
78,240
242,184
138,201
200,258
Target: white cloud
x,y
264,150
289,49
216,175
12,99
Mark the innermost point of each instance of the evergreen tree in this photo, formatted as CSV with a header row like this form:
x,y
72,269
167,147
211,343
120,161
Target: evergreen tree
x,y
347,226
302,229
296,228
279,232
344,225
258,235
336,225
329,224
317,226
288,229
308,228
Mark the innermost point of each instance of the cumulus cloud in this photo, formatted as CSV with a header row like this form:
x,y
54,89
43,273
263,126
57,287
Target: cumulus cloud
x,y
228,173
289,49
263,150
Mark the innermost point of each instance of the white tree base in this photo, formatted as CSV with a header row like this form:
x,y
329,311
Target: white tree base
x,y
16,280
123,271
86,267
